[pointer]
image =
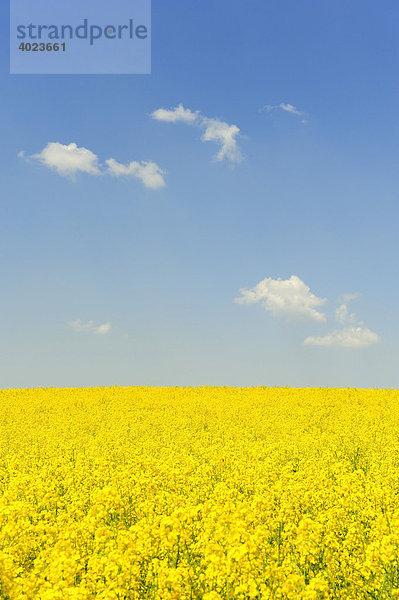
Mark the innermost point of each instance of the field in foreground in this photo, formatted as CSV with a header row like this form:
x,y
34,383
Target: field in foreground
x,y
201,493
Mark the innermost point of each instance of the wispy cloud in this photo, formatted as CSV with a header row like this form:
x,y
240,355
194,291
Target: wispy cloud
x,y
69,160
89,327
286,107
290,298
341,313
148,172
214,130
354,335
349,337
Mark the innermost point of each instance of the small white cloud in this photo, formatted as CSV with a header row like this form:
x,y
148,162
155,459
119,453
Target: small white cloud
x,y
286,107
69,159
354,335
349,337
215,130
21,154
148,172
291,109
179,113
103,329
89,327
348,297
290,298
225,135
341,313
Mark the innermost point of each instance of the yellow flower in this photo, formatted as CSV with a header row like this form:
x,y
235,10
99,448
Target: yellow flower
x,y
175,493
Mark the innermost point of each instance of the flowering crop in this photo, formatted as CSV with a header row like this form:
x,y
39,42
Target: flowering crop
x,y
199,493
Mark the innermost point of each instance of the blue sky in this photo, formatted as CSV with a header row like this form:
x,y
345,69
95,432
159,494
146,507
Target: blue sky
x,y
159,267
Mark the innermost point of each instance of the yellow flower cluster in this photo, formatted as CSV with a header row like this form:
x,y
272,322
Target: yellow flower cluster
x,y
199,493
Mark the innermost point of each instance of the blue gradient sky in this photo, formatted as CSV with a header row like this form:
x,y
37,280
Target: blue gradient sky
x,y
316,200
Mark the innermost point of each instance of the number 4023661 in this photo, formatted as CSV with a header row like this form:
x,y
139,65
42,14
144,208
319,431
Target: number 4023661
x,y
41,47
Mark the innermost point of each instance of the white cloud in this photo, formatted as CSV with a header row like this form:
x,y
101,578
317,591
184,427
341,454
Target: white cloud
x,y
215,130
103,329
341,313
225,135
286,107
148,172
290,298
349,337
354,335
89,327
282,106
179,113
291,109
68,160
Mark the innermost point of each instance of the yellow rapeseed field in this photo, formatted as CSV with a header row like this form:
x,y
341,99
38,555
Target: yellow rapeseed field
x,y
199,493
